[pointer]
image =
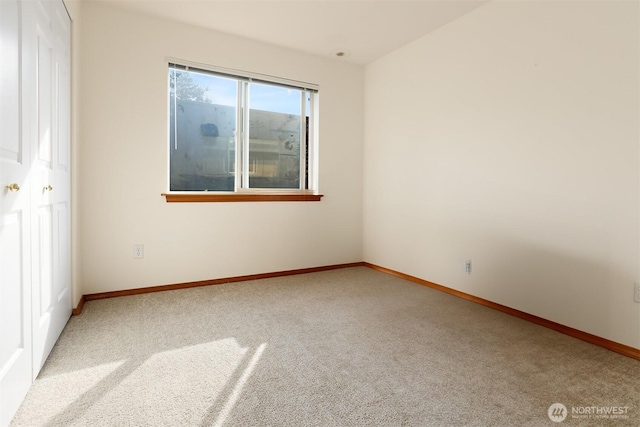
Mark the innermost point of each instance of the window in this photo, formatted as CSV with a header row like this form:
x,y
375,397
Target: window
x,y
239,133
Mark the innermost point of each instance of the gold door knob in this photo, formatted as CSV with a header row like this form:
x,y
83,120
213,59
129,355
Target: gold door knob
x,y
48,188
12,187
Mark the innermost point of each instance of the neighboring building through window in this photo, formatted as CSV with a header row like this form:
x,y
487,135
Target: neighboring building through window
x,y
235,133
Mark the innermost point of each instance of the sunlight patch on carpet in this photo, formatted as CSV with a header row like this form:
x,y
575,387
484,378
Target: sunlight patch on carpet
x,y
237,389
69,386
169,381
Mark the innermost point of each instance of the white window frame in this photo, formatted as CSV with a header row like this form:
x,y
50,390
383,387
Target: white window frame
x,y
308,167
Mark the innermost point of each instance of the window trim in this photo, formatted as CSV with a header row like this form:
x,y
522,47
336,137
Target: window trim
x,y
243,196
255,194
241,74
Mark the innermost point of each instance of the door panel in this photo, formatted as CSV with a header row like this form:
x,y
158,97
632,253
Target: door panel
x,y
10,146
15,325
11,301
15,221
45,94
43,280
62,31
62,263
50,172
62,167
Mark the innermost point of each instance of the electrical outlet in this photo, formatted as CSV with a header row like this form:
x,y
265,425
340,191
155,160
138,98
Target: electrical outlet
x,y
138,251
636,292
467,266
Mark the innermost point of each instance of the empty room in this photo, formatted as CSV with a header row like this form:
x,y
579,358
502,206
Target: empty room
x,y
319,213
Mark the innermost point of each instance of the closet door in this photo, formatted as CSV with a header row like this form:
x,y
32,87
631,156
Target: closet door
x,y
15,237
47,39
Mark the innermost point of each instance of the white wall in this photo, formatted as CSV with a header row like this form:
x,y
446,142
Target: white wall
x,y
511,137
123,162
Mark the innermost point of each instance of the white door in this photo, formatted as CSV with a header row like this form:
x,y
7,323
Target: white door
x,y
46,38
15,236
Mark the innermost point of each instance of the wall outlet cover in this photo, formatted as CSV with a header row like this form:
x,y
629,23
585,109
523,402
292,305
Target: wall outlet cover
x,y
138,251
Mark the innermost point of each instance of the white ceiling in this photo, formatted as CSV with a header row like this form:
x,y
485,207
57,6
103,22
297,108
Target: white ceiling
x,y
364,29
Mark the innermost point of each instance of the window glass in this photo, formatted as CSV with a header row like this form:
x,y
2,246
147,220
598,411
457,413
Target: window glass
x,y
202,127
274,136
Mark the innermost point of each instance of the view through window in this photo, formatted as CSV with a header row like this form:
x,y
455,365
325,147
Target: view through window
x,y
233,133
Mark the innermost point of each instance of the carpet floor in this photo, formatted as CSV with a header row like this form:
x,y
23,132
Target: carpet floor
x,y
349,347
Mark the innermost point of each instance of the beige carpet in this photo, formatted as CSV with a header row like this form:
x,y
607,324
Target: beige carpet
x,y
351,347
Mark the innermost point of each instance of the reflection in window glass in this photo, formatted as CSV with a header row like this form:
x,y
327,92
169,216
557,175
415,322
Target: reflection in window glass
x,y
274,136
202,124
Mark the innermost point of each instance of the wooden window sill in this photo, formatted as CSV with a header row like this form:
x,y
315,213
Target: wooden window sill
x,y
241,197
